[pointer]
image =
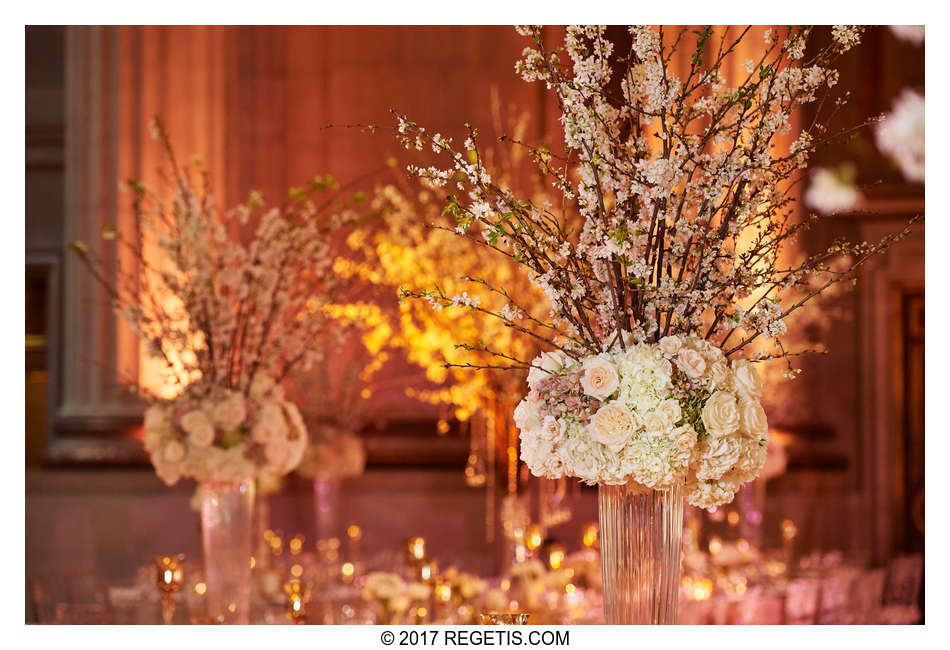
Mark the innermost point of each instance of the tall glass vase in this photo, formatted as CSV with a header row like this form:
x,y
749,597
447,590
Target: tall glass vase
x,y
326,508
226,519
641,543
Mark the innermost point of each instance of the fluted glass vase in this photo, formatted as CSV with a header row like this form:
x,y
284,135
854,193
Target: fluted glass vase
x,y
226,521
641,542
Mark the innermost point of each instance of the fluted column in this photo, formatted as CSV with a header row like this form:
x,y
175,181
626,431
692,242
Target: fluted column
x,y
117,78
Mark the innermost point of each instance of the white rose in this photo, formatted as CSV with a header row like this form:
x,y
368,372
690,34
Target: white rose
x,y
526,416
201,437
664,417
552,429
691,362
545,366
684,438
553,361
174,452
270,424
600,378
553,466
752,415
720,414
716,457
277,452
747,379
155,419
613,426
195,420
670,345
718,374
230,412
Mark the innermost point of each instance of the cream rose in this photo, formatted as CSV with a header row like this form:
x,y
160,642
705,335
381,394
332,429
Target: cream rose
x,y
720,414
229,413
753,418
526,416
670,345
201,437
552,429
544,366
691,362
718,374
684,438
192,421
600,379
747,379
716,457
174,452
613,426
664,417
270,424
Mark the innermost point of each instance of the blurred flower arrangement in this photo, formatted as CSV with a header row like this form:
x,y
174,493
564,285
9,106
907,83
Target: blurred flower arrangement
x,y
230,302
677,222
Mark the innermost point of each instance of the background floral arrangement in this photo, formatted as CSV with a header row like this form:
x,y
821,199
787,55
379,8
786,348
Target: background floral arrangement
x,y
229,303
225,436
333,453
677,219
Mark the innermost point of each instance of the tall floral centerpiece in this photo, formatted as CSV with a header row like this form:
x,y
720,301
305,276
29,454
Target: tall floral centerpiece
x,y
671,251
228,302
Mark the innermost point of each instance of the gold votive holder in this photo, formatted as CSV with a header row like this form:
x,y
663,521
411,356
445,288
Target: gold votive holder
x,y
298,597
169,578
504,618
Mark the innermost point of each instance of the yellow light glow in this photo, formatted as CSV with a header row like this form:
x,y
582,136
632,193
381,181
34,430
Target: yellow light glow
x,y
591,533
347,569
569,588
715,545
253,561
733,518
556,557
702,589
417,548
201,588
354,532
534,538
296,570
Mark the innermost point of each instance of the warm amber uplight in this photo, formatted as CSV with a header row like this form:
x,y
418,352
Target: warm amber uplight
x,y
201,588
347,569
416,547
253,561
556,557
733,517
442,427
702,589
296,570
715,545
296,544
591,533
534,538
354,532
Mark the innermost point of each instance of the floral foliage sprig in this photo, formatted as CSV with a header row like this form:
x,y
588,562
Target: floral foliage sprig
x,y
678,215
